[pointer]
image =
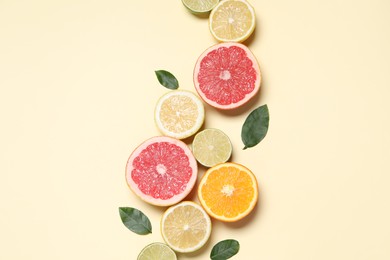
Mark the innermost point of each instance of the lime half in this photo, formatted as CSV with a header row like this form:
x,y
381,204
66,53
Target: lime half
x,y
200,6
157,251
211,147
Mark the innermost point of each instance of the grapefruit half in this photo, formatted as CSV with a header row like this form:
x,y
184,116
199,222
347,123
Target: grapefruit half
x,y
227,75
161,171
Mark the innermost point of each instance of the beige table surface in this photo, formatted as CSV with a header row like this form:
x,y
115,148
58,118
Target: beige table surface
x,y
77,94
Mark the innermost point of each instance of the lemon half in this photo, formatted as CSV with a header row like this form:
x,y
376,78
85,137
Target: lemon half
x,y
232,21
179,114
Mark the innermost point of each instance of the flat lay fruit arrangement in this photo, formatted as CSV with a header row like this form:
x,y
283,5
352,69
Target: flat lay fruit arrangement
x,y
163,169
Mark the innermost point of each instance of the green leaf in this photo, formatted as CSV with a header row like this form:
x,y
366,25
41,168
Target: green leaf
x,y
167,79
135,220
225,249
255,127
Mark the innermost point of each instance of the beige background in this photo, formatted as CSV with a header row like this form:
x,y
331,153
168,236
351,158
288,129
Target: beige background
x,y
77,96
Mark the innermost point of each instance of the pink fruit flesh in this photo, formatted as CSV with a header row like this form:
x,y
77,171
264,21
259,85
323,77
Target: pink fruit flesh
x,y
161,170
227,75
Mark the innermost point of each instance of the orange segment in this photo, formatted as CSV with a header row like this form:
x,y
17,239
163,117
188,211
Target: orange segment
x,y
228,191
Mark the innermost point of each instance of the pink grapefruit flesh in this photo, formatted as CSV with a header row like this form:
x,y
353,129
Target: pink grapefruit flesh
x,y
227,75
161,171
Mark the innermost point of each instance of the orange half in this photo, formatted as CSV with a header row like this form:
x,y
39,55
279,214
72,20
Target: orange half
x,y
228,192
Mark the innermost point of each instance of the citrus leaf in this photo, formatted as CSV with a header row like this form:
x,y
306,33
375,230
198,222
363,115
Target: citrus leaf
x,y
225,249
167,79
255,127
135,220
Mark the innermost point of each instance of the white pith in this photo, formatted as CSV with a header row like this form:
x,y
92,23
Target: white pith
x,y
227,190
161,169
225,75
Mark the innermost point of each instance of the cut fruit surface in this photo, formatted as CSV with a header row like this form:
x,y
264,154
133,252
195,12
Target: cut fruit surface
x,y
200,6
157,251
228,192
227,75
161,171
185,227
232,21
211,147
179,114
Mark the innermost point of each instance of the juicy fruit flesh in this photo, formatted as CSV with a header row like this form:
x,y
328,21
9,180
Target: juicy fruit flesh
x,y
229,192
178,114
228,23
159,174
227,75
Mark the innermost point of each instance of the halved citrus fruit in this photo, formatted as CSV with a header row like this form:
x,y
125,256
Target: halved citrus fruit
x,y
179,114
200,6
232,21
185,227
227,75
161,171
211,147
157,251
228,191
